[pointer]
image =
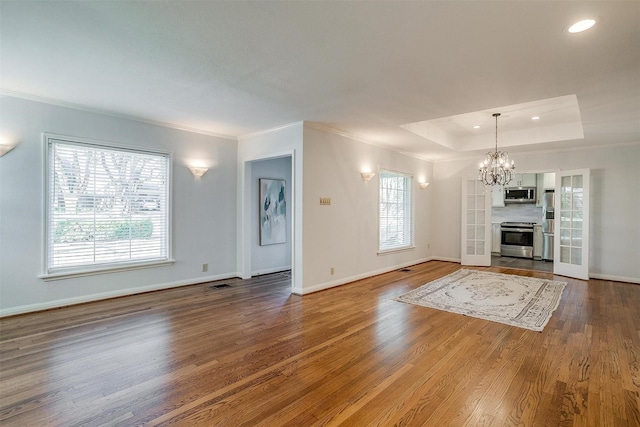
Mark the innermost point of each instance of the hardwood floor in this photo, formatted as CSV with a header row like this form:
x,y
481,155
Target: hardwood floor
x,y
253,354
521,263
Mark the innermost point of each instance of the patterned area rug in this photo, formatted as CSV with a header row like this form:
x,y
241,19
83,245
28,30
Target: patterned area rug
x,y
519,301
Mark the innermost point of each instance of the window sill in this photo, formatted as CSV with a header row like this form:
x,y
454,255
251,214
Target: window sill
x,y
72,273
395,250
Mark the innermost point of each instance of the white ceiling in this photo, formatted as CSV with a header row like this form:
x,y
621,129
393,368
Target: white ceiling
x,y
362,68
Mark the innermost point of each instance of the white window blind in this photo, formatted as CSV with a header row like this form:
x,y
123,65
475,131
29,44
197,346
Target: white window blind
x,y
396,211
106,206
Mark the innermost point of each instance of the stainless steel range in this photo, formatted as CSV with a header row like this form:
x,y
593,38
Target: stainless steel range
x,y
517,239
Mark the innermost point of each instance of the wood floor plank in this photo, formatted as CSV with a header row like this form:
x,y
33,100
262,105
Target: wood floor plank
x,y
254,354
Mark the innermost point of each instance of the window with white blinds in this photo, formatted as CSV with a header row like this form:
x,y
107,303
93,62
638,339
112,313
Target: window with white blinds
x,y
396,211
106,207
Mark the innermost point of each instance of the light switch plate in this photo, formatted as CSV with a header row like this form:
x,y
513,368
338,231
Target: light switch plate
x,y
325,201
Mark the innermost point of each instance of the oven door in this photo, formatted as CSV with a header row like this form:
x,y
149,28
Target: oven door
x,y
517,242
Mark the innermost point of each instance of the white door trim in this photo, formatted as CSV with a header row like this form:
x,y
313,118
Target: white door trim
x,y
245,218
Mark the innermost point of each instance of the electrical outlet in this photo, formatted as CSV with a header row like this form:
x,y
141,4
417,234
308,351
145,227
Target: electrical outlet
x,y
332,271
428,245
205,268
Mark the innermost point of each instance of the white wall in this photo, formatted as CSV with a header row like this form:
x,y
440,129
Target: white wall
x,y
204,211
615,204
270,258
211,224
344,235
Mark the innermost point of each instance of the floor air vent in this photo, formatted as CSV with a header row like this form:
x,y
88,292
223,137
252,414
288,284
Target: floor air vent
x,y
224,285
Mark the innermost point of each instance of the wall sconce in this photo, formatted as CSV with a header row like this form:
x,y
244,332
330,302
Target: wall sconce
x,y
6,146
366,176
423,185
197,172
4,149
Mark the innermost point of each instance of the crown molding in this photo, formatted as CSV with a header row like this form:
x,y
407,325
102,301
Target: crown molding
x,y
274,129
313,125
547,151
50,101
328,129
417,156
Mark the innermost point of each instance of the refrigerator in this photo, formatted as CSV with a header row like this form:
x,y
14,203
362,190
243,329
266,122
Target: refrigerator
x,y
548,217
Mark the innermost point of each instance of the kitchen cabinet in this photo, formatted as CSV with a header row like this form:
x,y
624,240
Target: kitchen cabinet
x,y
539,189
496,238
528,180
537,241
497,196
523,180
544,181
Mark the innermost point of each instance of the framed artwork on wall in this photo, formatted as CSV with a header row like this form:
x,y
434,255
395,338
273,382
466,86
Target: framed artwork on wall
x,y
273,211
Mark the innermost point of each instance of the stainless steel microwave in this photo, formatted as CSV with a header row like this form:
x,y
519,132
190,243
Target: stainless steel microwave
x,y
520,194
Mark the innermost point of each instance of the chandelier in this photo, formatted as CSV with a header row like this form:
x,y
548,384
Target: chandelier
x,y
496,168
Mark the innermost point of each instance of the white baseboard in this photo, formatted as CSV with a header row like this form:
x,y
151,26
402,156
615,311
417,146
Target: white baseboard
x,y
440,258
270,270
113,294
614,278
591,275
297,290
344,280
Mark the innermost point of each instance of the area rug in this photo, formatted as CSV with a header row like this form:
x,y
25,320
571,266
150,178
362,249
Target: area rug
x,y
525,302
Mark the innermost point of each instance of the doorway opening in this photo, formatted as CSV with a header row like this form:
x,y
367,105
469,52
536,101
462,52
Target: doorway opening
x,y
271,231
257,256
571,200
522,222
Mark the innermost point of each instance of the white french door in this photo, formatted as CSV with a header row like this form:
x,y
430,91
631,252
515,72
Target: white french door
x,y
476,218
571,243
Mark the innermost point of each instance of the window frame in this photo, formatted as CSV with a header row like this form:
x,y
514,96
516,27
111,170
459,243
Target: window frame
x,y
95,269
411,191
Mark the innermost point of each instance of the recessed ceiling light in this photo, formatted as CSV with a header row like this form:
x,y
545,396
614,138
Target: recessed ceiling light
x,y
476,127
535,118
583,25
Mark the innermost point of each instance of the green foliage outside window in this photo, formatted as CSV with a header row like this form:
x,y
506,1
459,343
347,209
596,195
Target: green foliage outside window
x,y
86,230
